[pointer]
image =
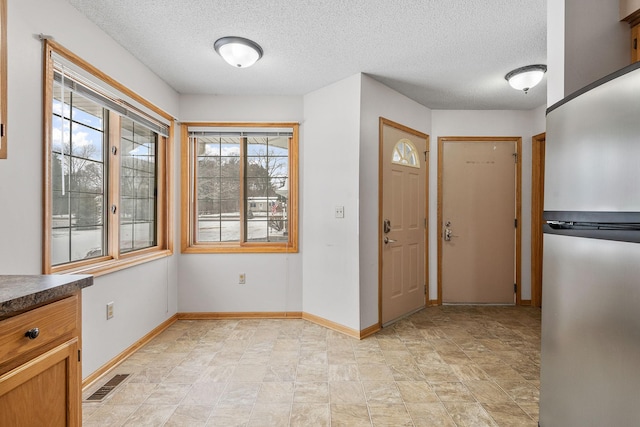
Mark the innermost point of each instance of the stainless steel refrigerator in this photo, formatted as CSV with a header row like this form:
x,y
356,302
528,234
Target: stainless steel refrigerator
x,y
590,361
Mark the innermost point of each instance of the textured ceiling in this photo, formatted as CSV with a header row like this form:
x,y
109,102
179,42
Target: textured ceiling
x,y
444,54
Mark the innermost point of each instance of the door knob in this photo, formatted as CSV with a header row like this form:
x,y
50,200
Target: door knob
x,y
448,234
388,240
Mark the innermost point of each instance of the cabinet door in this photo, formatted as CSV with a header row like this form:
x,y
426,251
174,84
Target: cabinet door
x,y
43,391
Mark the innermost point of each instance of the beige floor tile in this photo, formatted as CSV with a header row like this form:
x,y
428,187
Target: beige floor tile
x,y
270,414
366,357
130,394
468,372
214,374
487,392
391,415
346,392
342,357
520,391
452,392
469,415
347,372
249,372
230,416
275,392
189,416
532,409
183,375
500,370
407,372
416,392
204,393
312,373
310,414
429,415
239,393
375,372
381,392
311,392
110,415
150,415
509,414
349,415
168,394
284,372
475,365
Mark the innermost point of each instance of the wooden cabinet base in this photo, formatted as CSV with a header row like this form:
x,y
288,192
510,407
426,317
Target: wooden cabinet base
x,y
43,391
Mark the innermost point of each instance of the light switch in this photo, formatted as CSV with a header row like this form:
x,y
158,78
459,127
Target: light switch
x,y
339,211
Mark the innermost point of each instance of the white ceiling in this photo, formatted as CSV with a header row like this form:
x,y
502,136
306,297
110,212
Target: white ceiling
x,y
444,54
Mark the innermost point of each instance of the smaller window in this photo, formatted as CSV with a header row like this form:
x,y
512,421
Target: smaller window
x,y
241,194
405,153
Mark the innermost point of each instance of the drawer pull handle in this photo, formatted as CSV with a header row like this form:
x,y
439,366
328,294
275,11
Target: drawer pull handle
x,y
32,334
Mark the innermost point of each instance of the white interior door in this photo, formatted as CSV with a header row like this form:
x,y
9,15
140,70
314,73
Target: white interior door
x,y
403,222
478,190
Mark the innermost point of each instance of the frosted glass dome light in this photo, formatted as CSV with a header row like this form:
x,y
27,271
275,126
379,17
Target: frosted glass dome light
x,y
237,51
524,78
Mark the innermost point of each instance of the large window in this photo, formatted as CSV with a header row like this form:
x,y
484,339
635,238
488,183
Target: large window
x,y
240,194
107,190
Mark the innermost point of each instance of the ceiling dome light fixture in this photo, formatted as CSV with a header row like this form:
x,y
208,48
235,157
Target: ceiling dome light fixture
x,y
524,78
237,51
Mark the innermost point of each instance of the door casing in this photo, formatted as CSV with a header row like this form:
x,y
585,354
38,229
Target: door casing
x,y
537,207
518,143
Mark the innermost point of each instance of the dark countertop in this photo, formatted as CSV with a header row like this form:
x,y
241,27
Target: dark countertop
x,y
21,293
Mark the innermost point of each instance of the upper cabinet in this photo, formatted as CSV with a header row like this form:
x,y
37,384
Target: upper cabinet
x,y
630,12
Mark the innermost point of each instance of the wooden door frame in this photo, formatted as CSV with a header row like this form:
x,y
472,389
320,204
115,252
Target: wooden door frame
x,y
537,207
386,122
518,261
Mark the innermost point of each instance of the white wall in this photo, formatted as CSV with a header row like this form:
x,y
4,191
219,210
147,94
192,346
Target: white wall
x,y
596,42
555,51
209,282
377,100
330,158
144,296
523,124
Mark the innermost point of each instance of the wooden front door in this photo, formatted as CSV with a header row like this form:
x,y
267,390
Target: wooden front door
x,y
403,220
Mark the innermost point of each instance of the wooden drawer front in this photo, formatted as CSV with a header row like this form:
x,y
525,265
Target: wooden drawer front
x,y
55,320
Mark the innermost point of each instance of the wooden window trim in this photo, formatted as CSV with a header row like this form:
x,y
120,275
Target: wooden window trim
x,y
188,213
113,261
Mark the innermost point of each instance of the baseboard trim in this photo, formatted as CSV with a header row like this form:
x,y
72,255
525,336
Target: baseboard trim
x,y
107,367
525,302
433,302
367,332
240,315
331,325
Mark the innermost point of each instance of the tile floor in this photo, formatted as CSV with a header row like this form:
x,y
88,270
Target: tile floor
x,y
443,366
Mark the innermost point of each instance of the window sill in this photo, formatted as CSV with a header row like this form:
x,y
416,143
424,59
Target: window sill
x,y
111,265
234,249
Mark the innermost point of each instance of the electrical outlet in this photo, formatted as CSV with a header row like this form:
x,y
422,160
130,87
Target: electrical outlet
x,y
109,310
242,279
339,211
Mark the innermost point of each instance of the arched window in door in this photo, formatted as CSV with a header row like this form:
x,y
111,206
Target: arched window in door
x,y
405,153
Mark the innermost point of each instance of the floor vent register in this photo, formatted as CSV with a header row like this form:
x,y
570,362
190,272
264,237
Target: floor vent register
x,y
109,386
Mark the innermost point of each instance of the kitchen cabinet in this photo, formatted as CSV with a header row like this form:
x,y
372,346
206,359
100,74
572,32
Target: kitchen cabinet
x,y
40,363
630,13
